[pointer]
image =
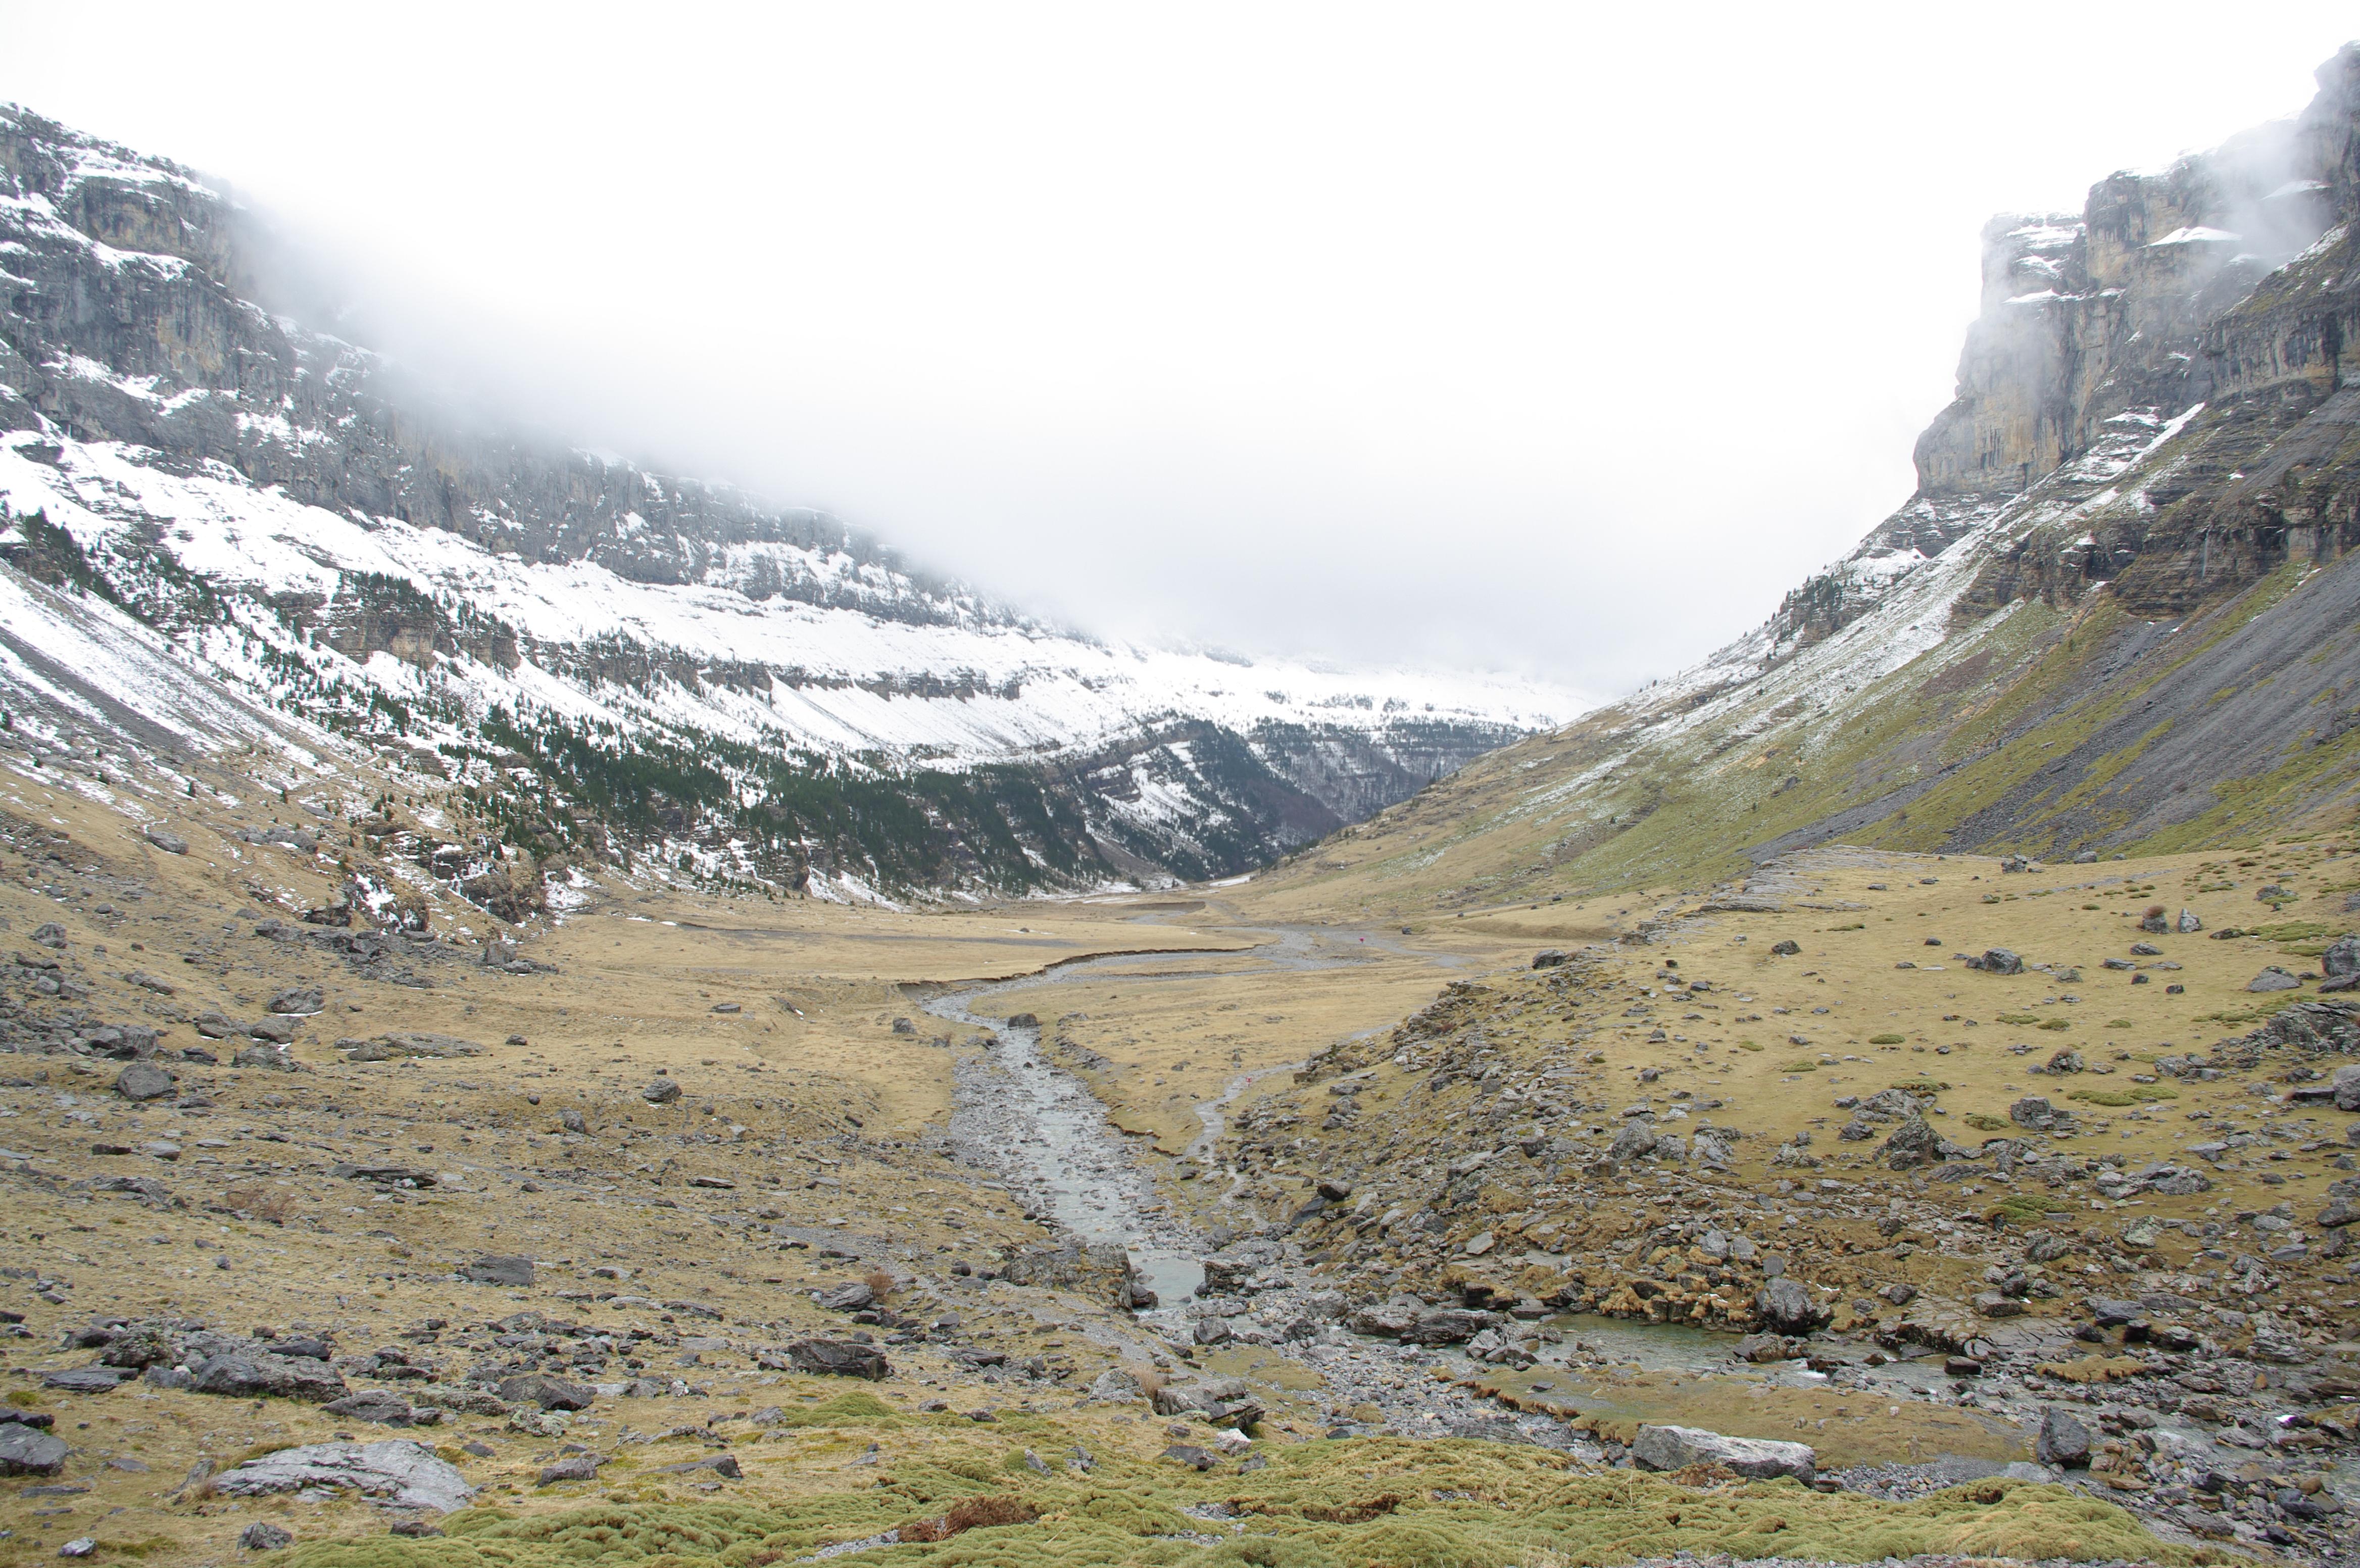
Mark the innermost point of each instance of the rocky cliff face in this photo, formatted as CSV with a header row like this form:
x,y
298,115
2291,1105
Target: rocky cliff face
x,y
753,691
2116,613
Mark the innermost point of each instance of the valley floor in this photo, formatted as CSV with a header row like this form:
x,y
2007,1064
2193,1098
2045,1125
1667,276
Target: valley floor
x,y
1438,1230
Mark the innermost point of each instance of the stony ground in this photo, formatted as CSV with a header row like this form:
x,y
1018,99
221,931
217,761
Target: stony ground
x,y
662,1208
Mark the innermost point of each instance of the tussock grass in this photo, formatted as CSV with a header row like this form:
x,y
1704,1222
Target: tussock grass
x,y
1371,1503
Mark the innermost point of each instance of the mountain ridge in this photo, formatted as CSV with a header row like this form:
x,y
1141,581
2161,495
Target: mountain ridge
x,y
2114,616
338,545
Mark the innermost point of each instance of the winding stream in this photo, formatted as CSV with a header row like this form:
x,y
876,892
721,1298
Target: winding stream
x,y
1052,1140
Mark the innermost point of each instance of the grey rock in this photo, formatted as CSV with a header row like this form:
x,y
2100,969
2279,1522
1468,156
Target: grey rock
x,y
381,1405
2342,958
724,1464
1787,1306
1550,958
263,1536
86,1379
573,1121
270,1059
2188,923
298,1000
1676,1448
27,1451
2062,1441
2035,1114
1115,1385
499,1268
2000,960
145,1080
573,1467
2274,978
659,1091
846,1298
169,842
547,1390
402,1047
1447,1325
1913,1144
2338,1214
1635,1140
275,1029
243,1374
399,1471
839,1358
49,933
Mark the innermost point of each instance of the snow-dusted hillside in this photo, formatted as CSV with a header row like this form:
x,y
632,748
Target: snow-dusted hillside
x,y
611,650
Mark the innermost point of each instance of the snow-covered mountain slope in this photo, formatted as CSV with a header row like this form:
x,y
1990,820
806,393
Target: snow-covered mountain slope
x,y
610,650
2123,610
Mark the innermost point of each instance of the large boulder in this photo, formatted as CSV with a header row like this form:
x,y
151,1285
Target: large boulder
x,y
1786,1306
2342,958
2035,1113
1635,1141
29,1450
1914,1143
1677,1448
1447,1325
246,1374
2000,960
1389,1320
839,1358
145,1080
399,1472
2062,1440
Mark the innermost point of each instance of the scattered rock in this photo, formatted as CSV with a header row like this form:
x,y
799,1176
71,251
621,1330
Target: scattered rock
x,y
1787,949
169,842
2000,960
1550,958
573,1467
263,1536
659,1091
2274,978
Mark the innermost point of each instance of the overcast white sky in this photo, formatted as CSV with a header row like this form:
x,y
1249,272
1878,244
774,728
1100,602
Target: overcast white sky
x,y
1556,337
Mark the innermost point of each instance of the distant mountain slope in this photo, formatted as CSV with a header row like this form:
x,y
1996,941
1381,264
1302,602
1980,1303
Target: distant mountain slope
x,y
617,661
2119,612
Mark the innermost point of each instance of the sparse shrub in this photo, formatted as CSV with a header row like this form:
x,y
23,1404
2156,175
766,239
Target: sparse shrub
x,y
1887,1040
